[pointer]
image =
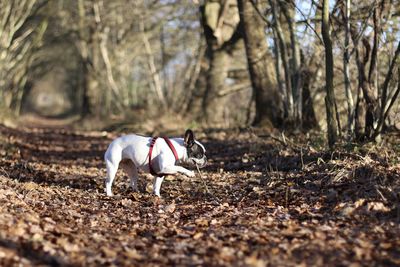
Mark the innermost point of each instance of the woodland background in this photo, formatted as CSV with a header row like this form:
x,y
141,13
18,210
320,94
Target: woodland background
x,y
296,102
214,63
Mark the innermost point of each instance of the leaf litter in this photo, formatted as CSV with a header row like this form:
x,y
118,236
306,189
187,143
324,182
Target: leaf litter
x,y
279,203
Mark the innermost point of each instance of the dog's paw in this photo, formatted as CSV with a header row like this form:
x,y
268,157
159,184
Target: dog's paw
x,y
190,174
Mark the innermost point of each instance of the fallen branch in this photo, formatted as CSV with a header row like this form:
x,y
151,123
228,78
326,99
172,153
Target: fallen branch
x,y
206,187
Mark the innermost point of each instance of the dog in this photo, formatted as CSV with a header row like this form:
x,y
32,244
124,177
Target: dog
x,y
157,156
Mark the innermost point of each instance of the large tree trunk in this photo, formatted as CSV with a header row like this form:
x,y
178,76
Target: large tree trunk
x,y
220,20
213,104
260,63
330,96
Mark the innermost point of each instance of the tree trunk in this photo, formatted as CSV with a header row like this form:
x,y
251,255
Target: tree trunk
x,y
330,96
156,80
220,20
282,42
386,104
88,46
309,120
346,61
213,104
88,86
367,57
260,63
289,12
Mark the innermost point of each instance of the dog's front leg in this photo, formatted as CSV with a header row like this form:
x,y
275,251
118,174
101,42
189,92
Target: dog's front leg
x,y
173,169
169,170
157,185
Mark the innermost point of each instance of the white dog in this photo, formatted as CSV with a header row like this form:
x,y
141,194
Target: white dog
x,y
158,156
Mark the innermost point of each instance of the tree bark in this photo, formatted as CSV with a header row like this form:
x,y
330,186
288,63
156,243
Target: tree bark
x,y
220,21
260,66
19,36
213,104
309,120
88,51
330,96
288,11
281,41
386,104
346,62
156,80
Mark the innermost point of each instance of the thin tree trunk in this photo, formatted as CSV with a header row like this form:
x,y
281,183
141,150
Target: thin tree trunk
x,y
330,96
368,81
191,78
157,86
278,66
110,77
386,103
296,76
285,61
346,61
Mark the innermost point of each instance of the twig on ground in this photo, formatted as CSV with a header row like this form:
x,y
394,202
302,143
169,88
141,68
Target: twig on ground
x,y
4,173
206,187
381,195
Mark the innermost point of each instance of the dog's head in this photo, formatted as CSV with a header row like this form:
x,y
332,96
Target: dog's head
x,y
196,153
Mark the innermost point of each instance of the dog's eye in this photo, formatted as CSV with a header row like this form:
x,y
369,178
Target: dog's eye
x,y
195,152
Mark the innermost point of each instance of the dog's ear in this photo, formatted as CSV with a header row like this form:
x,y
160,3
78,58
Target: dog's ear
x,y
189,138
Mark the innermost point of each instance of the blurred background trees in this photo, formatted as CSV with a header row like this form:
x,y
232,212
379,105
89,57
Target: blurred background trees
x,y
220,63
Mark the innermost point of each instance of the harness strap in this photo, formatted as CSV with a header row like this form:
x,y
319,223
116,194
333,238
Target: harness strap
x,y
152,143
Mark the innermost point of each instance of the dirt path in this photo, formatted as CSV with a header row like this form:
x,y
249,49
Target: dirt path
x,y
280,205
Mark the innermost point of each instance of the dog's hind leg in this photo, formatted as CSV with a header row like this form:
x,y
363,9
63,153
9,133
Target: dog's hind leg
x,y
132,172
112,163
111,172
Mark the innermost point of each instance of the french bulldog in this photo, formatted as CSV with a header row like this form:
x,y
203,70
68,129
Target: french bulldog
x,y
159,156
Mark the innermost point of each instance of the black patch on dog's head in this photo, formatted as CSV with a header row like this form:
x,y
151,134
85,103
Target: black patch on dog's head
x,y
188,140
194,149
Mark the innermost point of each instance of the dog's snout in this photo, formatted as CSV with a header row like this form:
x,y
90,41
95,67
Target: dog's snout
x,y
204,161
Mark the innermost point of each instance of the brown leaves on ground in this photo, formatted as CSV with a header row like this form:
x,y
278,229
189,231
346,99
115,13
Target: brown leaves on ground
x,y
273,203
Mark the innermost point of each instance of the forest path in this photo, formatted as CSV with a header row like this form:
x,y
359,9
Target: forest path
x,y
36,121
277,205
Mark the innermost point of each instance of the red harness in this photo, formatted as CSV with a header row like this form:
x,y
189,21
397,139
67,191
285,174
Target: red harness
x,y
152,143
